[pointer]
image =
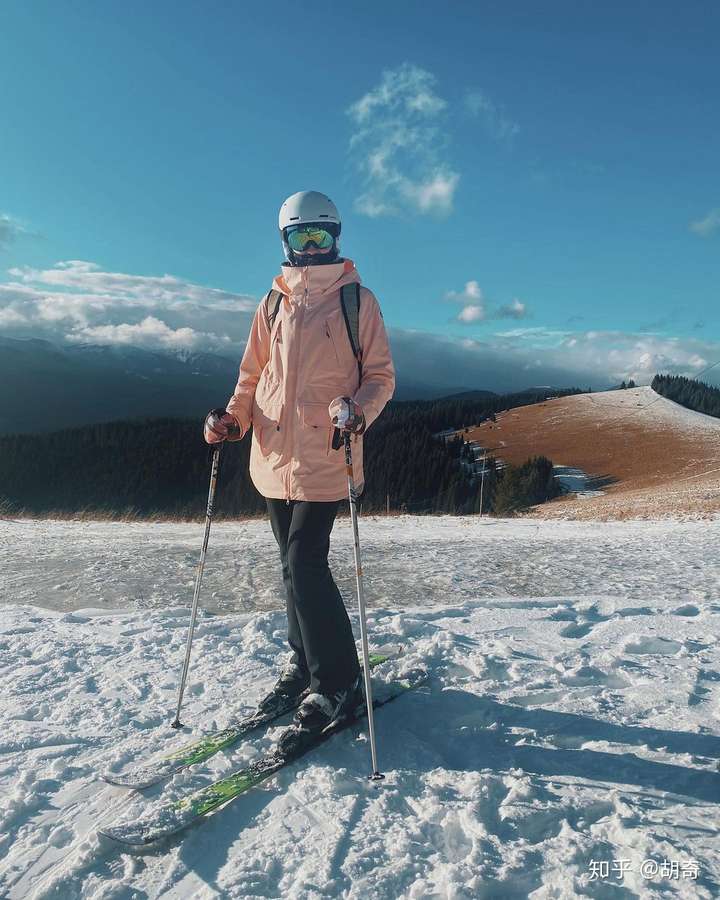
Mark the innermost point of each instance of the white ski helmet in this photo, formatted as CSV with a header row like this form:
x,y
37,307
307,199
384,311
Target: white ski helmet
x,y
304,208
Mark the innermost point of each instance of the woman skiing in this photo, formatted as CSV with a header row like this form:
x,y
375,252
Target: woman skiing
x,y
300,377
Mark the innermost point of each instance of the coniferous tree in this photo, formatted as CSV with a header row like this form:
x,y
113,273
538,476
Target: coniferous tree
x,y
695,395
520,487
160,467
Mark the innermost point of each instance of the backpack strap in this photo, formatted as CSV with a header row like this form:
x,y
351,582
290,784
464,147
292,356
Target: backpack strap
x,y
350,297
272,302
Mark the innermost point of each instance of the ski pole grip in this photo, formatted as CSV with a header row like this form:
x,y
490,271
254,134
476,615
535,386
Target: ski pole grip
x,y
337,440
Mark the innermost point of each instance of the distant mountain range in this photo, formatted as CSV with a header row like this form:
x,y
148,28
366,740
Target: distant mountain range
x,y
45,386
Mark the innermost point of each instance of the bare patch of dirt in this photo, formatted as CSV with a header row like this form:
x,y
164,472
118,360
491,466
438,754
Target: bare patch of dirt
x,y
651,457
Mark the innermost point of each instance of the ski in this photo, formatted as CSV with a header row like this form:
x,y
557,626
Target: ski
x,y
144,776
170,818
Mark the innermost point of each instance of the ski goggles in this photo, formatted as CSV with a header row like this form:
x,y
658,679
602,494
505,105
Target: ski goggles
x,y
300,237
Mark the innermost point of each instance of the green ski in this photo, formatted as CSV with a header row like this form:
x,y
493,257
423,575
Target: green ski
x,y
144,776
169,818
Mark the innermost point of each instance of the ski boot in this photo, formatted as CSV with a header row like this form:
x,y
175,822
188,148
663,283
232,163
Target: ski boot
x,y
319,714
292,683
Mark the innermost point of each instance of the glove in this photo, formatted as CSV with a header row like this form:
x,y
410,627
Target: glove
x,y
221,425
346,415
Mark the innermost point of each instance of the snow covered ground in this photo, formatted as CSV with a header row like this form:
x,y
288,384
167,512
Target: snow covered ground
x,y
571,721
408,559
575,481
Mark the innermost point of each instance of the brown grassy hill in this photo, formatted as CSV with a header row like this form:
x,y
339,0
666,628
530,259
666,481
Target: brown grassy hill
x,y
652,457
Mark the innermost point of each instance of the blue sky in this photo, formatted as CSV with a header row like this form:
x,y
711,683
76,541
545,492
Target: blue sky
x,y
523,185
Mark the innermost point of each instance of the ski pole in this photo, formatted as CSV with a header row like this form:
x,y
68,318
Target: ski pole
x,y
198,579
376,775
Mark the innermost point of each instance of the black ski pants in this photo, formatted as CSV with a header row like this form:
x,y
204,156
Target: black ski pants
x,y
319,630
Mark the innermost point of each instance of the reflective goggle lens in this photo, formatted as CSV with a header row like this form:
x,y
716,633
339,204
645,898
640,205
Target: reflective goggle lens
x,y
301,236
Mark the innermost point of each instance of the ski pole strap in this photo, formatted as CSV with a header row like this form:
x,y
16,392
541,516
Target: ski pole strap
x,y
337,440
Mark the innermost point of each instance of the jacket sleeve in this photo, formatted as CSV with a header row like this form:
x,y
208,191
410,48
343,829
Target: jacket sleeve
x,y
255,358
378,378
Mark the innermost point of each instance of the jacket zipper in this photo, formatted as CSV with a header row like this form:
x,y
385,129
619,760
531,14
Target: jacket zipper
x,y
272,344
332,341
291,429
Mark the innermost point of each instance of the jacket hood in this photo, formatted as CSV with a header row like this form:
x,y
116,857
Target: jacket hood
x,y
318,279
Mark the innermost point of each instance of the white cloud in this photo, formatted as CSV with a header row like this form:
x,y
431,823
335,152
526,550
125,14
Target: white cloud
x,y
372,207
475,308
471,292
108,288
497,124
513,310
10,317
435,195
623,355
76,300
471,313
150,332
407,89
399,149
472,300
709,224
525,357
536,333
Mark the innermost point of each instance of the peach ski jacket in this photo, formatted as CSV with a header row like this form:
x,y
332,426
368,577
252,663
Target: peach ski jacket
x,y
289,376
